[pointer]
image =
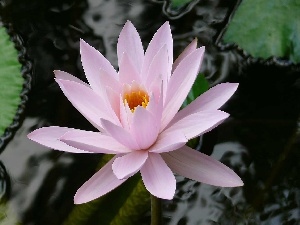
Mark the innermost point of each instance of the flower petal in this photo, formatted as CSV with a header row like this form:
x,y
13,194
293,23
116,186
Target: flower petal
x,y
127,165
49,137
144,127
125,114
198,123
93,142
98,185
197,166
127,71
188,50
212,99
103,81
92,61
155,107
129,42
114,100
158,178
168,142
180,84
159,68
162,37
87,102
61,75
120,134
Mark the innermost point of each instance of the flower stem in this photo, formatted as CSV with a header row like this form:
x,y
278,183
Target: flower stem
x,y
156,212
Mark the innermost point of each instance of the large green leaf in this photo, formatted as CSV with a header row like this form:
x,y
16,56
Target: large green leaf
x,y
267,28
11,81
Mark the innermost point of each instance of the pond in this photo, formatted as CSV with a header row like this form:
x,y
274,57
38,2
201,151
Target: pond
x,y
260,141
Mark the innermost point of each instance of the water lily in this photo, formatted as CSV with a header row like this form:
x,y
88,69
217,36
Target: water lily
x,y
136,112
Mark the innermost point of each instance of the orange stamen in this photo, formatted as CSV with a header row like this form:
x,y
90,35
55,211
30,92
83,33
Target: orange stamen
x,y
136,98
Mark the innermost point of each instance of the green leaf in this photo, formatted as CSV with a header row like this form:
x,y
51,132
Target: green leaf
x,y
200,86
11,81
267,28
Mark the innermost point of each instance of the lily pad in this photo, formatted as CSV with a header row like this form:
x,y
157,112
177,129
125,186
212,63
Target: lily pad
x,y
267,28
14,85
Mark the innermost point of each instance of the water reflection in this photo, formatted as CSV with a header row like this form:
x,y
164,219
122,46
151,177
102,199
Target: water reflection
x,y
43,180
4,184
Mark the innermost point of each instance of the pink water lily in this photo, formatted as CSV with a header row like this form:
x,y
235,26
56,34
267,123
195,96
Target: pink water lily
x,y
136,113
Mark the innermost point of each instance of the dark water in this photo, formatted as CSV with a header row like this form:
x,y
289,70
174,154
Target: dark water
x,y
260,141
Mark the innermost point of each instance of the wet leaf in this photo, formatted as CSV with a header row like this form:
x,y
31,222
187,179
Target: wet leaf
x,y
267,28
11,81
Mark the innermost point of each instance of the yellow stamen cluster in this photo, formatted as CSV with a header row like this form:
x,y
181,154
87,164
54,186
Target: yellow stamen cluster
x,y
136,98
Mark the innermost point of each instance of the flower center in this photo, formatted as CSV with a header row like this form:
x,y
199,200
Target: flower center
x,y
136,98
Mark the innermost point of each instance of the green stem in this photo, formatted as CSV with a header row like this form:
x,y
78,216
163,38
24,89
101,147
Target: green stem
x,y
156,212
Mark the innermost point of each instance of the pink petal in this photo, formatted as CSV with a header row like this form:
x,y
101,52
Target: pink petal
x,y
158,178
98,185
129,42
155,87
87,102
144,127
127,165
155,107
188,50
92,61
103,81
61,75
120,134
198,123
49,137
159,67
127,71
212,99
93,142
168,142
180,84
162,37
197,166
114,99
125,114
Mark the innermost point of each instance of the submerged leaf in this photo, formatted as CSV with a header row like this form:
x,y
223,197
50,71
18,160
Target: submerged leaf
x,y
267,28
179,3
7,215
